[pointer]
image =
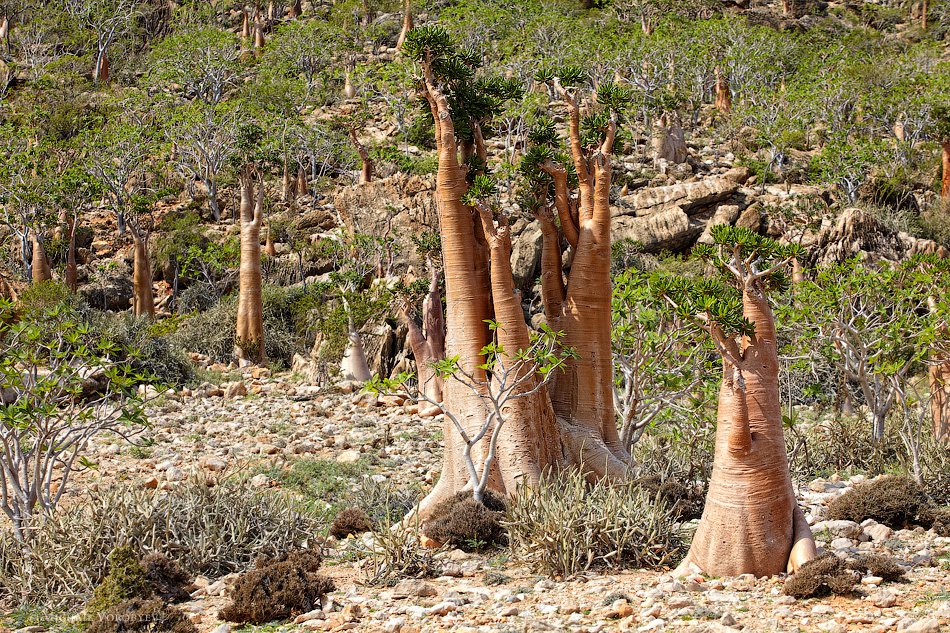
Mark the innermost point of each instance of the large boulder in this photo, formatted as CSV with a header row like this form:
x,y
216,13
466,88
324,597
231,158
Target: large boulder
x,y
856,233
674,217
400,207
112,291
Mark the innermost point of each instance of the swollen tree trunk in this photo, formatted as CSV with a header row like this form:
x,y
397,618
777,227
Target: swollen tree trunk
x,y
40,270
288,188
269,247
100,73
945,160
406,23
72,281
258,37
302,189
368,165
573,425
428,342
249,337
354,365
143,303
723,93
939,374
751,523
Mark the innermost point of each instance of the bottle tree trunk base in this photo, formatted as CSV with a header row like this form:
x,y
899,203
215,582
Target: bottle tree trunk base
x,y
751,523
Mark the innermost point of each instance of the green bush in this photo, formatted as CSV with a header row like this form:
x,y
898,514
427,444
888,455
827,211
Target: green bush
x,y
564,526
212,332
206,530
160,356
124,581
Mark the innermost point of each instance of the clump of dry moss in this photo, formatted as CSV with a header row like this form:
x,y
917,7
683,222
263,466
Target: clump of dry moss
x,y
350,521
465,523
278,589
896,501
821,576
166,577
879,565
140,615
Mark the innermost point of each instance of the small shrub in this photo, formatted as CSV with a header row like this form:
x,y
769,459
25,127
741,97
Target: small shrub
x,y
564,526
350,521
383,502
879,565
937,519
278,588
397,554
896,501
207,530
147,616
686,501
821,576
468,524
126,580
166,577
158,356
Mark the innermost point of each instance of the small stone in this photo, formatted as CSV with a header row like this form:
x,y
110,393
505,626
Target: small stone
x,y
926,625
878,532
348,457
222,628
872,580
151,483
822,609
509,612
235,390
417,588
619,609
353,612
442,608
727,619
832,627
744,582
316,614
260,481
215,464
841,543
394,625
174,474
883,598
679,602
785,600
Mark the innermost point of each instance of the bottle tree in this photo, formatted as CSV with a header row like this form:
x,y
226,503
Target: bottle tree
x,y
249,335
751,522
570,422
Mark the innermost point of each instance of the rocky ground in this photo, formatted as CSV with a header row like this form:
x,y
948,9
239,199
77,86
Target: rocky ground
x,y
259,422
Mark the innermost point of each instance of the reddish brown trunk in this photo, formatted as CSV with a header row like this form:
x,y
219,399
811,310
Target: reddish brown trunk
x,y
100,74
798,274
296,9
245,27
751,523
288,189
939,374
366,172
269,247
923,14
428,342
945,160
723,93
249,338
40,264
143,303
259,41
302,188
406,23
72,281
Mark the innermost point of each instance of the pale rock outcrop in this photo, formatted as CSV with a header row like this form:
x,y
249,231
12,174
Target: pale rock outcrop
x,y
856,233
675,216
